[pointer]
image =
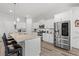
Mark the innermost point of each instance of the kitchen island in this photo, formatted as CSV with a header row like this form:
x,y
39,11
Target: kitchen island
x,y
30,43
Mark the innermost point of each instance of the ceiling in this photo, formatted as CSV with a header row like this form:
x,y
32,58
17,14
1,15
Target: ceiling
x,y
35,10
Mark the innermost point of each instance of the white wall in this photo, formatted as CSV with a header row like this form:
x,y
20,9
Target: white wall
x,y
6,24
35,25
21,25
67,15
48,23
29,25
75,30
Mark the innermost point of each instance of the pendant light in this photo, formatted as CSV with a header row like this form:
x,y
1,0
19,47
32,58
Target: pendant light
x,y
15,23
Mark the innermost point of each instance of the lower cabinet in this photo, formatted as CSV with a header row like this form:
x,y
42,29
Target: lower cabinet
x,y
33,47
48,38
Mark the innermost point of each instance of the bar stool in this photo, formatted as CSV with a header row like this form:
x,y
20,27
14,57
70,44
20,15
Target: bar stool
x,y
11,48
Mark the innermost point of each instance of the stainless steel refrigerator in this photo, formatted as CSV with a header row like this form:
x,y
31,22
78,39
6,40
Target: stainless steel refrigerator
x,y
62,35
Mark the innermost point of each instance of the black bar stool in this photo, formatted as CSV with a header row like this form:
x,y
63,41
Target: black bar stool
x,y
12,47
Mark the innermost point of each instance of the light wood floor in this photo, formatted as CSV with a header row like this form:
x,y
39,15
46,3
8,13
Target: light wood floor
x,y
49,50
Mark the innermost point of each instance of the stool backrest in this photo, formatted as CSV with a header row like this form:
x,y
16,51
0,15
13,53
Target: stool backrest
x,y
5,41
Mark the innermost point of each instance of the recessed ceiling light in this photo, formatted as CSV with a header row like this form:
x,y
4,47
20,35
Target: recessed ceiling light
x,y
11,11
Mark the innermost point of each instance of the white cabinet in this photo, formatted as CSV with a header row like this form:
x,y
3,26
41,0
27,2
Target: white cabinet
x,y
33,47
48,37
45,37
51,38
